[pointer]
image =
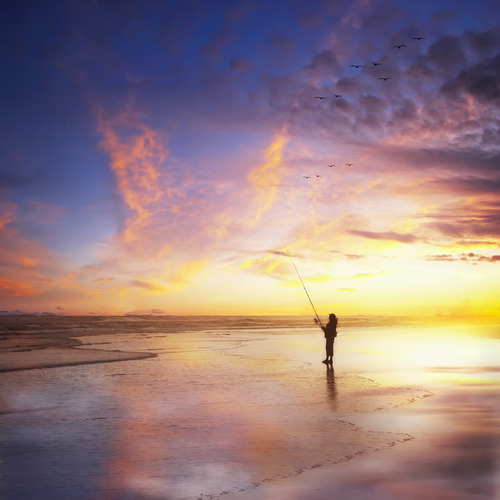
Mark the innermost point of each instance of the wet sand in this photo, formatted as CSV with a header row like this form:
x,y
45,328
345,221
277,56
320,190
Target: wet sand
x,y
29,344
38,351
242,414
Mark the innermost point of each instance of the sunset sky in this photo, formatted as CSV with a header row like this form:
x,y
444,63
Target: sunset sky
x,y
154,155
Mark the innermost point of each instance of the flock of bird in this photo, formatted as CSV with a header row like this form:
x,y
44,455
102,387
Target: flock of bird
x,y
383,78
332,165
359,66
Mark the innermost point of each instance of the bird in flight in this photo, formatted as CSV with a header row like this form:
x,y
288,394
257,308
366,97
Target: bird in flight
x,y
399,46
376,63
356,66
349,164
306,177
385,78
318,175
337,95
320,97
332,165
418,38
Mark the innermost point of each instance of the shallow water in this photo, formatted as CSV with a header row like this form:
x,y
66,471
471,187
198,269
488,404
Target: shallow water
x,y
244,408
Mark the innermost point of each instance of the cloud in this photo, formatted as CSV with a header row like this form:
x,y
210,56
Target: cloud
x,y
324,61
26,267
478,223
11,287
447,53
485,42
8,212
387,235
136,160
408,108
481,81
269,265
175,217
278,41
350,256
265,178
158,311
14,312
213,50
149,286
241,64
470,257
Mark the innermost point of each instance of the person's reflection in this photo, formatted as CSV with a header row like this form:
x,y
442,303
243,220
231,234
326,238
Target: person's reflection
x,y
331,390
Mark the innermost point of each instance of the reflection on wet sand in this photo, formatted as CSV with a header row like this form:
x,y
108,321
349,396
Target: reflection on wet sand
x,y
243,416
455,454
331,389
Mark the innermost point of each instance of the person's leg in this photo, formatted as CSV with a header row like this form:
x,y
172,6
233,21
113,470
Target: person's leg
x,y
329,350
326,350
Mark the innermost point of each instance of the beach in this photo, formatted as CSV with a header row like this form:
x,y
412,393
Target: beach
x,y
239,408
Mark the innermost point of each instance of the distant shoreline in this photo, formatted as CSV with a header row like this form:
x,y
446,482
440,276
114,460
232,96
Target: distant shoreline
x,y
28,350
35,364
346,320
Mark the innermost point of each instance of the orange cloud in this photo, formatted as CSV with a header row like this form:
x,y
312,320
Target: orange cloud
x,y
137,155
24,264
265,178
182,275
12,288
269,265
150,286
7,213
27,262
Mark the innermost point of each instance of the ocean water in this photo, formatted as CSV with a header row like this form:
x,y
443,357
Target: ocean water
x,y
234,407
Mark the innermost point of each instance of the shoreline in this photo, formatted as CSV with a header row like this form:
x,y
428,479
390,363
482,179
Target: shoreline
x,y
110,357
38,351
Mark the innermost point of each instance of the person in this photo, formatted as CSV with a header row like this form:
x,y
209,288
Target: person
x,y
330,333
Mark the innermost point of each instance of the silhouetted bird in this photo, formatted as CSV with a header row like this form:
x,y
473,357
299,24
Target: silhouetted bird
x,y
399,46
305,177
320,97
356,66
349,164
337,95
418,38
376,63
318,175
332,165
385,78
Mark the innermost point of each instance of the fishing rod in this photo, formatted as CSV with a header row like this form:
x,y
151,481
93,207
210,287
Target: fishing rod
x,y
305,289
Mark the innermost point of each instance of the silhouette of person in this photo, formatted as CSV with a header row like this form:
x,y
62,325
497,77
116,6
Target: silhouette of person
x,y
330,333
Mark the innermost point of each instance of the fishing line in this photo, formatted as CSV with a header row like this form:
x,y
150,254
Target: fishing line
x,y
300,278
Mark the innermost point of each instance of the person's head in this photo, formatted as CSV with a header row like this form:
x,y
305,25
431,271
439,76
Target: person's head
x,y
332,317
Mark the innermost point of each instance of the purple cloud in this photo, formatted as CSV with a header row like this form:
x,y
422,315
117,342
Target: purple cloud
x,y
388,235
471,257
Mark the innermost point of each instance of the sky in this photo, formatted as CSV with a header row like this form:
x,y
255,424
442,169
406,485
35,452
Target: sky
x,y
164,157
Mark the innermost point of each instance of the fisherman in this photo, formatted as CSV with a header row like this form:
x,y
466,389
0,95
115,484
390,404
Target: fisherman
x,y
330,333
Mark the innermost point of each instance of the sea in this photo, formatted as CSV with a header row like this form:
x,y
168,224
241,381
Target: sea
x,y
157,408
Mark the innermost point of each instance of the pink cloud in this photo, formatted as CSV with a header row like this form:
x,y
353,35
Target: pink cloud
x,y
25,266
